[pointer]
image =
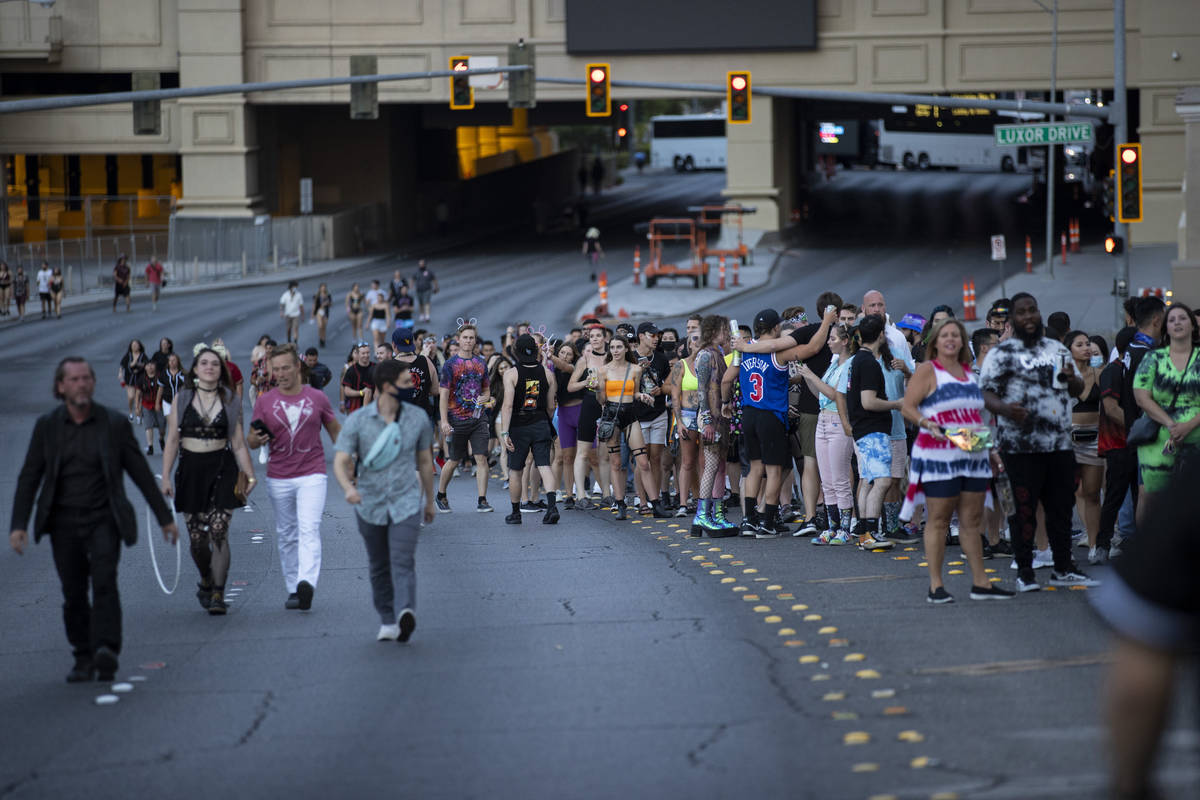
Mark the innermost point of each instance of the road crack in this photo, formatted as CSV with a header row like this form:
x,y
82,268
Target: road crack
x,y
773,677
264,709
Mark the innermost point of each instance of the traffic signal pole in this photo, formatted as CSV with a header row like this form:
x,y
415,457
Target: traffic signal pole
x,y
1119,117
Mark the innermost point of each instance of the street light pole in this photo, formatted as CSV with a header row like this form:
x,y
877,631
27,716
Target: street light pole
x,y
1120,119
1050,148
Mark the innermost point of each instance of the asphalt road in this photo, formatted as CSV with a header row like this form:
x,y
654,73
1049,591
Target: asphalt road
x,y
593,659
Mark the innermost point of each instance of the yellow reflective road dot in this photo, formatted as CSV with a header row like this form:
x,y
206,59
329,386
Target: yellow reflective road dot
x,y
856,737
762,609
831,697
785,596
786,632
855,657
923,564
773,619
882,693
728,580
989,570
944,796
822,676
828,629
895,711
799,607
955,563
900,558
866,674
660,538
809,659
714,549
716,572
1079,588
839,642
843,715
865,767
687,551
751,598
920,762
707,564
749,570
910,549
994,580
812,617
699,558
737,563
956,572
793,642
726,556
739,588
910,736
774,587
1049,588
676,544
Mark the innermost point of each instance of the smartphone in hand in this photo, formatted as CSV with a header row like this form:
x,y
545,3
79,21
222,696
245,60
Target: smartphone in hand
x,y
261,427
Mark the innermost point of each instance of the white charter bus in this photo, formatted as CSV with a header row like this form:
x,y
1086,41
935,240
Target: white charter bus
x,y
688,141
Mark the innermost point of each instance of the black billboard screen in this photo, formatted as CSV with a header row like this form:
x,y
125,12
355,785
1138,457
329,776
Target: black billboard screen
x,y
838,138
656,26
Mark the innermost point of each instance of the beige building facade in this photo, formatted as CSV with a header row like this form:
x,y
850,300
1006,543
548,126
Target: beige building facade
x,y
925,46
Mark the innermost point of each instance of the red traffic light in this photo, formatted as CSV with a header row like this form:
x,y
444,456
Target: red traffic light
x,y
1113,245
622,132
623,107
738,82
597,75
1129,155
460,66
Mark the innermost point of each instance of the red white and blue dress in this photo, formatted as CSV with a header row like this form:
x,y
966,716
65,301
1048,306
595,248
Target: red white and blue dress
x,y
954,403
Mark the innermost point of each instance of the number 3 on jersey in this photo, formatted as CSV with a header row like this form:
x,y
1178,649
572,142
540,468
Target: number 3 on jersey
x,y
756,387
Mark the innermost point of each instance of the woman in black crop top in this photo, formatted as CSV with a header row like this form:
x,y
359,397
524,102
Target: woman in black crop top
x,y
205,430
1085,432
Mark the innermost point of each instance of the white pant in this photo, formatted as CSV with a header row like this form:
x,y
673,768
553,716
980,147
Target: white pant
x,y
299,504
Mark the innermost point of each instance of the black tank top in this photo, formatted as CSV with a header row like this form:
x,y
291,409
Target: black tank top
x,y
564,396
1090,403
529,399
423,383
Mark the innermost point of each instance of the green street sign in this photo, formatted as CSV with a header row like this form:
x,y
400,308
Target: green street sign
x,y
1044,133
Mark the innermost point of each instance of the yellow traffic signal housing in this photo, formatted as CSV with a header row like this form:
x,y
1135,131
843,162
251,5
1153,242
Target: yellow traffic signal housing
x,y
462,96
599,97
737,97
1129,183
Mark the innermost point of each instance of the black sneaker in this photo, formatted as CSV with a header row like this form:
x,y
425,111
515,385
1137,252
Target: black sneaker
x,y
569,504
82,671
1002,548
821,520
514,518
988,552
607,501
204,592
149,449
991,592
769,530
529,508
901,535
304,592
551,517
540,505
622,509
442,503
584,504
484,507
217,606
105,661
939,596
407,623
657,509
292,602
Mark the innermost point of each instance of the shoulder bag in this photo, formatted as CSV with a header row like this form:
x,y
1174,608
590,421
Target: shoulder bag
x,y
1145,430
607,426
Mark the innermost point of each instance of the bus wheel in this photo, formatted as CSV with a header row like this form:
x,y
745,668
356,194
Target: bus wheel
x,y
908,161
688,164
923,161
677,163
1007,165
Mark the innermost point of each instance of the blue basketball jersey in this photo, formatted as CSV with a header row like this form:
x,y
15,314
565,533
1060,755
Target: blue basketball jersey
x,y
764,384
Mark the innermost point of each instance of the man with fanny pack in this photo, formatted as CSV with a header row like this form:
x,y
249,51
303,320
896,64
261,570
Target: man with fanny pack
x,y
530,395
388,437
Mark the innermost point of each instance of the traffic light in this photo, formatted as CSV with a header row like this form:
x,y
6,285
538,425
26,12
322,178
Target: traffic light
x,y
147,116
1129,183
1109,196
623,131
1114,245
521,92
462,96
737,97
599,101
364,97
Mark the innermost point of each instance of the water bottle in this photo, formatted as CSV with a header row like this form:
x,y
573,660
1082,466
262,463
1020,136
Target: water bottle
x,y
1004,492
733,331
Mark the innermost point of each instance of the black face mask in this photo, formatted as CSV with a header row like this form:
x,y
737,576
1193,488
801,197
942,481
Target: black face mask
x,y
404,395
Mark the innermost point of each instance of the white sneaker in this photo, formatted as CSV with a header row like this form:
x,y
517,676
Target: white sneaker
x,y
388,633
1097,555
1042,559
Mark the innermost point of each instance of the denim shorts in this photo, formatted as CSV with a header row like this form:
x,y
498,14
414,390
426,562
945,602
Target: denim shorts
x,y
874,456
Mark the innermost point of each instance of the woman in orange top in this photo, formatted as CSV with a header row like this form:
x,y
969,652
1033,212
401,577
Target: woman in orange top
x,y
620,387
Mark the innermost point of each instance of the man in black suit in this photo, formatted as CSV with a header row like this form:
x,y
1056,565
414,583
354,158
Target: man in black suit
x,y
77,456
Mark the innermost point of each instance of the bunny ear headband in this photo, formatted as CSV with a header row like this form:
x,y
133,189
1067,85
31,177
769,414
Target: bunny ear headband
x,y
471,321
540,329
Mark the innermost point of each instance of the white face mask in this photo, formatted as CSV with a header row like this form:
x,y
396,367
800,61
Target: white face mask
x,y
1096,361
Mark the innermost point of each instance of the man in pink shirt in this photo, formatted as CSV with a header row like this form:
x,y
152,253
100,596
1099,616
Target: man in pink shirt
x,y
290,418
154,277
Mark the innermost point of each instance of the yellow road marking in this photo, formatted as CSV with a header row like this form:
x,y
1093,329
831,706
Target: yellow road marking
x,y
762,609
866,674
786,632
855,657
826,630
856,737
774,619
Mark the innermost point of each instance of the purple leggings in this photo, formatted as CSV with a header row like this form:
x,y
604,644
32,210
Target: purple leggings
x,y
568,425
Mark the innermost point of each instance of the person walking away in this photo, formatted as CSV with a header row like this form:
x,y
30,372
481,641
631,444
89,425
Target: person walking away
x,y
122,277
204,429
20,291
6,282
289,418
463,395
154,278
592,251
426,286
946,476
1028,381
44,275
75,466
391,443
530,396
291,309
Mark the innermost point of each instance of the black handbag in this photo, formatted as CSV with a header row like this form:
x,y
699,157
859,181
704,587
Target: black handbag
x,y
1145,430
606,428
